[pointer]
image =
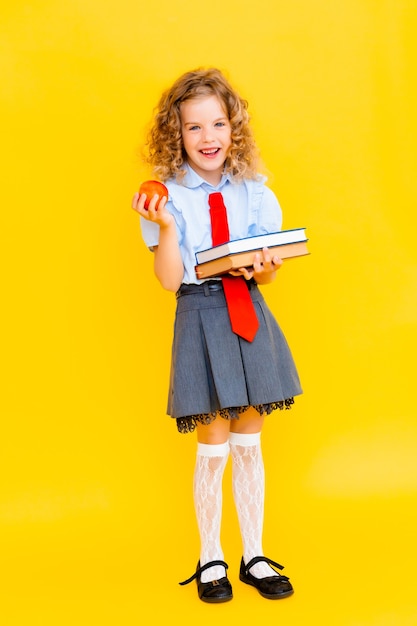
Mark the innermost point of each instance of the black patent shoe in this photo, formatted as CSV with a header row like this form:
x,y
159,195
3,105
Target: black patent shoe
x,y
271,587
215,590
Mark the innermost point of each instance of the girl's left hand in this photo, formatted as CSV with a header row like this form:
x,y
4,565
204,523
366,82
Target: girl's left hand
x,y
264,267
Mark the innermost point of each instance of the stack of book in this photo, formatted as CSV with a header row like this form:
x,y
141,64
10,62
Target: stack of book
x,y
239,253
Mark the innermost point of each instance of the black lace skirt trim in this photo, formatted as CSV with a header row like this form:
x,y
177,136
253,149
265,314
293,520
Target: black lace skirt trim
x,y
187,424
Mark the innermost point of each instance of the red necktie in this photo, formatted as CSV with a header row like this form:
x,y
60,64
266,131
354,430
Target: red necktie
x,y
239,303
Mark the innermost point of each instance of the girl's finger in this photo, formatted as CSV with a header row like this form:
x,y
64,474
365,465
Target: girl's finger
x,y
135,200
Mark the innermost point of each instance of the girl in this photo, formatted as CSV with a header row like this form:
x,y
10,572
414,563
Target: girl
x,y
222,385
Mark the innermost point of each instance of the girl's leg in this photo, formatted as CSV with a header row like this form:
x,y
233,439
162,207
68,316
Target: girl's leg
x,y
249,486
212,455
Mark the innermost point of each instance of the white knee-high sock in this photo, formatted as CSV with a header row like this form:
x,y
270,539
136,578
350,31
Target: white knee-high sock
x,y
208,499
248,478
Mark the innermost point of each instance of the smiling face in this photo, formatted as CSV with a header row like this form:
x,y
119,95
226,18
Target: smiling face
x,y
206,135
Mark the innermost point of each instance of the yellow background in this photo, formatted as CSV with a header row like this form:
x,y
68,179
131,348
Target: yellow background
x,y
96,515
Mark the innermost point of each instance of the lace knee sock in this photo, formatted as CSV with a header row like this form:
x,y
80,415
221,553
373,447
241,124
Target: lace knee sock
x,y
208,475
249,493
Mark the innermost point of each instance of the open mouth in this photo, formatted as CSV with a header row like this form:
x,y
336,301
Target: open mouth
x,y
210,153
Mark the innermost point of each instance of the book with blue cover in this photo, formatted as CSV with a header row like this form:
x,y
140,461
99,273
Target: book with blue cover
x,y
239,253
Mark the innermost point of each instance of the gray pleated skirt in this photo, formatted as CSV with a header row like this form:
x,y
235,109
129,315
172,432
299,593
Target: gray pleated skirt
x,y
215,372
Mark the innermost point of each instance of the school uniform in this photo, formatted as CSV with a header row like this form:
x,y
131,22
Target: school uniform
x,y
213,370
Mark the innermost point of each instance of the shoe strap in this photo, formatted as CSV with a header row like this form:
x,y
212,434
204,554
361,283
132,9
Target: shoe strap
x,y
202,569
259,559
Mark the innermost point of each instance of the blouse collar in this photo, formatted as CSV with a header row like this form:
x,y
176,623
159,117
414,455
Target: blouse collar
x,y
193,180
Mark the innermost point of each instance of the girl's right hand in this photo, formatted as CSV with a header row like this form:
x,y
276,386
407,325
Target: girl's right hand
x,y
158,215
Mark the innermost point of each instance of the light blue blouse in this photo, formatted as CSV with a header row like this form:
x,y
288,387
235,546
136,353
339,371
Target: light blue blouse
x,y
252,209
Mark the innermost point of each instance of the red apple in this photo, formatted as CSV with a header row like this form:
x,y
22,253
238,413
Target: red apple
x,y
151,188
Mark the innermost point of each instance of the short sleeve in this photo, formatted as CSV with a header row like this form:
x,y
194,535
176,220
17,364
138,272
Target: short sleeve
x,y
270,212
265,210
150,232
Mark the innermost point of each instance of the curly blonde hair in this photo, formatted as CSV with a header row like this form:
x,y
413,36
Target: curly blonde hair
x,y
164,147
